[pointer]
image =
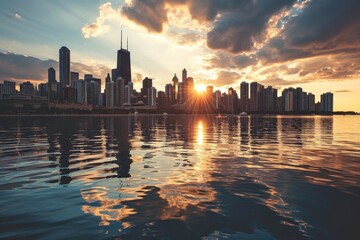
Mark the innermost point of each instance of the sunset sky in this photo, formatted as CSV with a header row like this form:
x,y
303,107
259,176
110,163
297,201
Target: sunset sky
x,y
313,44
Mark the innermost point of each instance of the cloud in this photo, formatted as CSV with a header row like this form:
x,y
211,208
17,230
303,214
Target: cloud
x,y
21,68
227,60
18,16
237,25
149,13
99,27
225,78
190,38
343,91
325,27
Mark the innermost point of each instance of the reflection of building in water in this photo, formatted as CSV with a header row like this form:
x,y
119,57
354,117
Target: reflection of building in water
x,y
326,129
119,130
244,133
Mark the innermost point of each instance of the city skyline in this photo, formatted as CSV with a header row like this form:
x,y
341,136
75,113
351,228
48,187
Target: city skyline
x,y
184,37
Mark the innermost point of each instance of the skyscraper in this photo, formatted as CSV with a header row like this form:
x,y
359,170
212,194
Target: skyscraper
x,y
74,76
327,102
64,66
256,97
244,96
110,87
107,79
123,64
51,75
184,76
152,96
147,83
176,87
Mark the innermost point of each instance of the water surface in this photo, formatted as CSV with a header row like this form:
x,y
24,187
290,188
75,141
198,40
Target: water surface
x,y
180,177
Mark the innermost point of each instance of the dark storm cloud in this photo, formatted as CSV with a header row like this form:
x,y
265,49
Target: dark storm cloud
x,y
14,66
20,68
237,24
238,29
324,27
317,27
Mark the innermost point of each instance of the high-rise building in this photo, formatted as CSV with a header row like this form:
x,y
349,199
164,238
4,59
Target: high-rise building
x,y
217,99
327,102
181,93
189,89
8,88
127,95
114,74
257,99
64,66
184,76
298,102
109,90
43,89
311,102
152,96
74,76
51,75
80,91
27,88
147,83
244,96
170,93
270,99
288,99
123,64
175,81
108,78
119,92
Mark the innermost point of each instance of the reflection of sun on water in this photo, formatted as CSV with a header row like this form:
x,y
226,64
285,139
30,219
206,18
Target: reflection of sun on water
x,y
200,133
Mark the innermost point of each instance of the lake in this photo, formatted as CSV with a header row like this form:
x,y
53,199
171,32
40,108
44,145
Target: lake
x,y
180,177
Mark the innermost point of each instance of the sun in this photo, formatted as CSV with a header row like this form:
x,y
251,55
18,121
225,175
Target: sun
x,y
200,88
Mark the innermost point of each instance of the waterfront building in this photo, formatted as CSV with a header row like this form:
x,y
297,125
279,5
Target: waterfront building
x,y
51,75
152,96
80,91
64,66
244,97
123,64
8,88
327,102
74,76
27,88
110,97
175,81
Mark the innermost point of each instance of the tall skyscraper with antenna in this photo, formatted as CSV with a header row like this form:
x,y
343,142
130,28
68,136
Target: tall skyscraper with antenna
x,y
123,63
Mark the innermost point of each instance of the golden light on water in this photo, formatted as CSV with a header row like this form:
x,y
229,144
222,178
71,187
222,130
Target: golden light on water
x,y
200,133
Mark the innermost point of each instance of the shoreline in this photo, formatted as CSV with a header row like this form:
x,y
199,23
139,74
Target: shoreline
x,y
177,114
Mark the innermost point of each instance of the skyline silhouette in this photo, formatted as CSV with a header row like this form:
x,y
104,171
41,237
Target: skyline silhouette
x,y
290,43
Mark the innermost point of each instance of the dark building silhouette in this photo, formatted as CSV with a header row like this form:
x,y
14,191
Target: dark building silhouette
x,y
74,76
64,66
175,81
123,64
244,97
27,88
108,79
147,84
51,75
327,102
256,97
114,74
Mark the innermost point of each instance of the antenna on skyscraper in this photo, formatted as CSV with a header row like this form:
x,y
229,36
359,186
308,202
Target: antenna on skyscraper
x,y
121,38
